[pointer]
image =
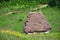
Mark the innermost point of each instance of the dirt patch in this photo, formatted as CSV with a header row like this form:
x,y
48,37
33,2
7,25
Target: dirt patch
x,y
36,22
39,6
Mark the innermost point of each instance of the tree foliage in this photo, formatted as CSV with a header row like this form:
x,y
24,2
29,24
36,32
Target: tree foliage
x,y
29,2
52,3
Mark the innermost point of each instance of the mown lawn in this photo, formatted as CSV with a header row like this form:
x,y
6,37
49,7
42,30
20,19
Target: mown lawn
x,y
53,16
16,20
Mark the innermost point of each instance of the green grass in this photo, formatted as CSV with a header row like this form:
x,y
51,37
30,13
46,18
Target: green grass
x,y
53,16
16,20
41,36
13,21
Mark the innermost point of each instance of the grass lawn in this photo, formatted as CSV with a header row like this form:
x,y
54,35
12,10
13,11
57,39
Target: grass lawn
x,y
16,20
53,16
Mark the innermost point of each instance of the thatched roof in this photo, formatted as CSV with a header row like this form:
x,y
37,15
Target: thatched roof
x,y
36,22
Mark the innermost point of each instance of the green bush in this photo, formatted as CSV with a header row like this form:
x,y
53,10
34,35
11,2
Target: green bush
x,y
4,0
58,3
29,3
52,3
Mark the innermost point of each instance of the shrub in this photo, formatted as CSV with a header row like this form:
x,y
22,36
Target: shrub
x,y
52,3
